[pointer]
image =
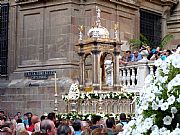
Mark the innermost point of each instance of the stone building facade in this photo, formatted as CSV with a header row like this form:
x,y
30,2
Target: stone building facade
x,y
42,35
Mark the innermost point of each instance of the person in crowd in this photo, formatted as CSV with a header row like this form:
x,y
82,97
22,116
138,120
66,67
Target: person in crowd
x,y
16,117
85,128
2,120
25,121
34,120
48,127
123,119
52,116
136,56
43,117
63,130
118,128
19,126
8,127
29,114
37,127
100,131
96,121
69,123
1,112
11,126
24,133
110,123
77,127
19,115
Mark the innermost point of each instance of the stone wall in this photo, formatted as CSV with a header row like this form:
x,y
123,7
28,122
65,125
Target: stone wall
x,y
37,100
42,36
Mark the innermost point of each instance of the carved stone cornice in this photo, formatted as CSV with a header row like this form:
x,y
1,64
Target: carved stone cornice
x,y
128,1
171,1
163,2
26,1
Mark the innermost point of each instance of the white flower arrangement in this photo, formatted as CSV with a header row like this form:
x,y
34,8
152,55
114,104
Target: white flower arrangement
x,y
75,116
100,96
158,107
73,92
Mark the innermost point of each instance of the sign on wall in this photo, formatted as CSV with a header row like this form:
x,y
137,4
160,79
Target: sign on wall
x,y
39,75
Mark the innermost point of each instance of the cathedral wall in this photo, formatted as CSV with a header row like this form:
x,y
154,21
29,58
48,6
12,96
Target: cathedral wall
x,y
38,100
42,36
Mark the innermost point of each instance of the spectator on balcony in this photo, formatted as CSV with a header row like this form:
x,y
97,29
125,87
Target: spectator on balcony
x,y
178,49
155,56
128,56
123,59
150,52
165,54
136,56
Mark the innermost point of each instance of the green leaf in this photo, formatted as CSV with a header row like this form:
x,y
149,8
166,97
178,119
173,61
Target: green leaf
x,y
167,39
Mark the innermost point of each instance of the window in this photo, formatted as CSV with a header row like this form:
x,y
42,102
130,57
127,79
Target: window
x,y
150,27
4,17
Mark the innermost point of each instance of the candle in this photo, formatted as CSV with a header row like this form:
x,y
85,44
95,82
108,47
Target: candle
x,y
100,79
55,85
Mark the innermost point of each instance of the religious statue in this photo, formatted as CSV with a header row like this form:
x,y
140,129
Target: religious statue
x,y
116,32
81,28
98,12
116,26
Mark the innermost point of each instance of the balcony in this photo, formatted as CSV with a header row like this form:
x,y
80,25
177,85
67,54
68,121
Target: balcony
x,y
132,75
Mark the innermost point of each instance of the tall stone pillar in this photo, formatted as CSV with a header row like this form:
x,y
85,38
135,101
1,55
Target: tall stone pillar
x,y
164,20
82,70
81,53
96,67
116,82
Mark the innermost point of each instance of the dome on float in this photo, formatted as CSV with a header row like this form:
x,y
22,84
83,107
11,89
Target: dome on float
x,y
98,32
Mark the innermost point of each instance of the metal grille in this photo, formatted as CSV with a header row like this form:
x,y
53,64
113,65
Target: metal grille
x,y
150,26
4,18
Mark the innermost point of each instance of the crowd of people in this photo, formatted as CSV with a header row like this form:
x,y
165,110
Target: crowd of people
x,y
152,54
32,124
50,124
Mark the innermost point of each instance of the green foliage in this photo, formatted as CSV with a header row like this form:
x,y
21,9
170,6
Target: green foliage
x,y
167,39
136,43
